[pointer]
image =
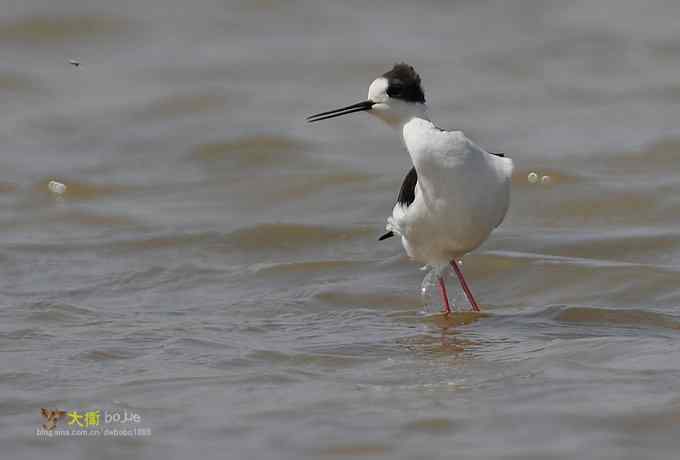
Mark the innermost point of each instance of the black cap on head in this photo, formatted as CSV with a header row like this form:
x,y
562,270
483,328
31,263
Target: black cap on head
x,y
403,82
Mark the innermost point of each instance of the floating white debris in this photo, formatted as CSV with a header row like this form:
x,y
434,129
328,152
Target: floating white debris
x,y
56,187
73,62
532,177
545,180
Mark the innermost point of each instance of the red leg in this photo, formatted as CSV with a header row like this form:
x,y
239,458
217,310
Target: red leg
x,y
442,291
463,284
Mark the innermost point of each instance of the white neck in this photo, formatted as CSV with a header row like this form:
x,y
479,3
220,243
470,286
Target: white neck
x,y
397,113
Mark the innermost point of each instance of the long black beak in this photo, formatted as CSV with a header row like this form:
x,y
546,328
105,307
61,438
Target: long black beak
x,y
358,107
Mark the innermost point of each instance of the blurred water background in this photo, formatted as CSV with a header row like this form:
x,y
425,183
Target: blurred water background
x,y
212,264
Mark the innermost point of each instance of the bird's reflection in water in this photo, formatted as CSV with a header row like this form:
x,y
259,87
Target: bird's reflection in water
x,y
449,339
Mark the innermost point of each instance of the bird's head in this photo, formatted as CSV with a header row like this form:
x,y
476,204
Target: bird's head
x,y
395,97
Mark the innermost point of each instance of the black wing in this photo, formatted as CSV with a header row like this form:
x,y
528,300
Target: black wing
x,y
408,188
406,196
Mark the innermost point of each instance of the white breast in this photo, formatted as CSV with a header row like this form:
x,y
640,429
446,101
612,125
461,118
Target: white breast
x,y
463,193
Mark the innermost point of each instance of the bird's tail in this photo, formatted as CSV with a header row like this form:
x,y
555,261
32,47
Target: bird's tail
x,y
384,236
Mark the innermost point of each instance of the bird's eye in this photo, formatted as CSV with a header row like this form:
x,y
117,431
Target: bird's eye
x,y
395,89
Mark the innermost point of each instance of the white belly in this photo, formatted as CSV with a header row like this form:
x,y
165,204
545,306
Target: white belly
x,y
438,231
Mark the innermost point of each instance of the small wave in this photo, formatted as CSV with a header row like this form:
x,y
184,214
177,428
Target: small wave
x,y
59,312
431,426
105,355
301,186
174,105
160,242
277,358
51,30
355,449
656,157
18,83
307,267
77,190
292,236
628,317
84,217
337,297
22,334
251,151
264,237
194,343
7,187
